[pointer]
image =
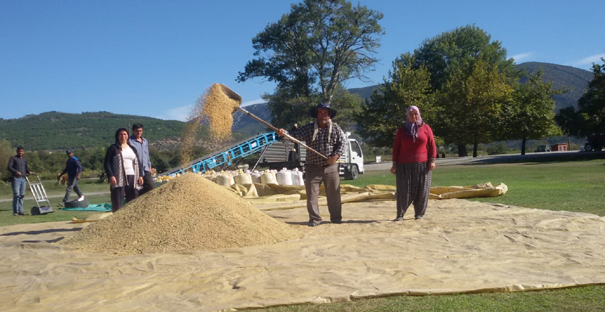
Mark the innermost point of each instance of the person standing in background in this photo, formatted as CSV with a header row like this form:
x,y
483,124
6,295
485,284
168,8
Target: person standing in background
x,y
141,146
17,165
123,170
414,154
73,168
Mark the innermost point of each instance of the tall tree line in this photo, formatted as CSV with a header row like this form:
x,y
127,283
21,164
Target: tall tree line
x,y
462,80
467,89
589,118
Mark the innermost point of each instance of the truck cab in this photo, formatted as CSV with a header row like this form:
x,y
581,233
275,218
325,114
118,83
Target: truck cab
x,y
351,163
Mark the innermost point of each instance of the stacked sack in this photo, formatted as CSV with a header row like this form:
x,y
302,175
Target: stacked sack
x,y
244,177
269,177
297,177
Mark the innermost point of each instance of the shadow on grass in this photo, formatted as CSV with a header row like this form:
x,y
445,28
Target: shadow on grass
x,y
40,232
539,158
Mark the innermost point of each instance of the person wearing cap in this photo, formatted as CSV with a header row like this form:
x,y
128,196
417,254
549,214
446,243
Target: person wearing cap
x,y
73,168
414,154
17,165
141,146
326,137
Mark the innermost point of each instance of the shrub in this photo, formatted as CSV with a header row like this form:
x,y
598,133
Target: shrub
x,y
499,148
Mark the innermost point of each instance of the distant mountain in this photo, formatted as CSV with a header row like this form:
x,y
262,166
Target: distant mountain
x,y
364,92
55,130
574,79
245,124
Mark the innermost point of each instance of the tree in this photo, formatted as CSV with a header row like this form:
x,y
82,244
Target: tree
x,y
531,113
286,110
470,106
348,106
590,116
592,103
386,109
455,53
570,121
6,151
460,48
312,50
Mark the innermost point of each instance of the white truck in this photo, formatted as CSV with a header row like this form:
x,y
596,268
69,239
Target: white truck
x,y
287,154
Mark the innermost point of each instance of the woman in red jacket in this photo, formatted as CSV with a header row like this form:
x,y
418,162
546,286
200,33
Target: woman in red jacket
x,y
414,155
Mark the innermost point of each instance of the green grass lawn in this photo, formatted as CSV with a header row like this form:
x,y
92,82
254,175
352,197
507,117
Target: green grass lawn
x,y
573,186
589,298
52,188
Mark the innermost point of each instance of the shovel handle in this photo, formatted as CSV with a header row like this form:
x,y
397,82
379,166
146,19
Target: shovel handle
x,y
289,137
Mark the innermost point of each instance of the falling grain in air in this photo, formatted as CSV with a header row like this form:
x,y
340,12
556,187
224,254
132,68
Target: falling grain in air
x,y
214,109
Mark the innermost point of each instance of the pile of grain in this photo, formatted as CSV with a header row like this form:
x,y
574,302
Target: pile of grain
x,y
214,109
186,214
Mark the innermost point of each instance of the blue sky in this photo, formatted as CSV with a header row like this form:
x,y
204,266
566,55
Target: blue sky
x,y
155,58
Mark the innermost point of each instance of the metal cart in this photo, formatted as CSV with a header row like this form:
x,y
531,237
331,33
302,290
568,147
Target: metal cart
x,y
39,195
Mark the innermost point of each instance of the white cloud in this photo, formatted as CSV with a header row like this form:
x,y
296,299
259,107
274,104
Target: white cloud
x,y
178,113
588,60
259,101
522,56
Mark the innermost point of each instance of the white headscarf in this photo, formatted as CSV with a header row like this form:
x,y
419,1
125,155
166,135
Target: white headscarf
x,y
411,128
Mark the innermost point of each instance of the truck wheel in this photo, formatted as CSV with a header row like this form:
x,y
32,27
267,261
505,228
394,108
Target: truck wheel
x,y
587,147
352,174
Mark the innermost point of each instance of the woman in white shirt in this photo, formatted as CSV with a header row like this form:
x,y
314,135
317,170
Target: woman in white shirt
x,y
123,170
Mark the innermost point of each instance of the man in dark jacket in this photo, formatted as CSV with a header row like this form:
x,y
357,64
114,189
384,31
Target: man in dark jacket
x,y
17,165
73,170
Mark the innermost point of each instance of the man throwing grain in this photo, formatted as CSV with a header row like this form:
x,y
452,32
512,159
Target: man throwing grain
x,y
326,137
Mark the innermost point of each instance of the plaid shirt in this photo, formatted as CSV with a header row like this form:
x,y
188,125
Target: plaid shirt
x,y
336,146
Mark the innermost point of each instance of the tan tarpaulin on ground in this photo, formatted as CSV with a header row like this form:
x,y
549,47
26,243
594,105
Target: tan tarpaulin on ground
x,y
460,246
287,195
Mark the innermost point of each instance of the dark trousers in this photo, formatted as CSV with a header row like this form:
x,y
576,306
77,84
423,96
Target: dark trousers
x,y
118,194
314,175
72,184
147,183
413,186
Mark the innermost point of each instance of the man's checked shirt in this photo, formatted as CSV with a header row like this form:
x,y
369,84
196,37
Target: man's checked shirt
x,y
336,146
